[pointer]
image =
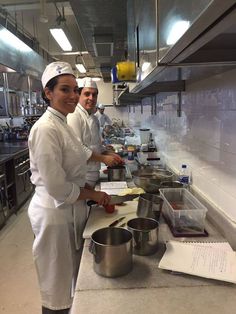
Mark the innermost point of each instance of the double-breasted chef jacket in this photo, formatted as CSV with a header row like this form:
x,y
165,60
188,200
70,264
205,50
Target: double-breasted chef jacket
x,y
86,128
58,166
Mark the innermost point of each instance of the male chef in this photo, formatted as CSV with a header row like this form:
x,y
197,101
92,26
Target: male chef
x,y
86,128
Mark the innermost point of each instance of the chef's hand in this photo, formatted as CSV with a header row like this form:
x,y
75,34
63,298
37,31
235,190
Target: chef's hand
x,y
88,187
101,198
113,160
110,148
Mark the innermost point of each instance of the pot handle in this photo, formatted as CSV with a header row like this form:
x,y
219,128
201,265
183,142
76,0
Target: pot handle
x,y
92,248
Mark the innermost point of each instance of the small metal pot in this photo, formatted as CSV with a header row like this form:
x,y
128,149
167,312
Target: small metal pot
x,y
116,173
150,206
112,250
145,235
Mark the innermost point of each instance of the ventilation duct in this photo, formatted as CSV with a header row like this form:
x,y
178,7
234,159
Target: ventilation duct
x,y
106,72
103,45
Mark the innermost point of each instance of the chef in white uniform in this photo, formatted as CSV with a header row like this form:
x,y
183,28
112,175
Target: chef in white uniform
x,y
86,127
58,211
102,117
93,167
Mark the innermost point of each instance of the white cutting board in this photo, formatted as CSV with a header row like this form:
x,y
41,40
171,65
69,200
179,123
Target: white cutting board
x,y
98,218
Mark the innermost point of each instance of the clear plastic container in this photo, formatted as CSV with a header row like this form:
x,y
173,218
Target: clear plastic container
x,y
183,210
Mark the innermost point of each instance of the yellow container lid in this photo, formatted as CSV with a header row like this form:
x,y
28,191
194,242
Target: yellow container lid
x,y
126,71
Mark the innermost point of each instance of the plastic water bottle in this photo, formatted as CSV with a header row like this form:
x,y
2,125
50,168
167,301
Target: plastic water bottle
x,y
184,175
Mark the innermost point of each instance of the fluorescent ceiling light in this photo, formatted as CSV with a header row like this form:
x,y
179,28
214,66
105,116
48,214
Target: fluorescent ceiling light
x,y
145,66
177,30
13,41
61,38
72,53
96,79
80,67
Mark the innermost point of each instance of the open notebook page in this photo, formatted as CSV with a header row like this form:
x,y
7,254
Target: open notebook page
x,y
212,260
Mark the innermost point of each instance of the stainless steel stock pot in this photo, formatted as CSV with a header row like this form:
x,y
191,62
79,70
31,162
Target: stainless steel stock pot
x,y
112,251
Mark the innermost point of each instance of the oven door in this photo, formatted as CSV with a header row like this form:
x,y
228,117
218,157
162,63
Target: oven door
x,y
24,187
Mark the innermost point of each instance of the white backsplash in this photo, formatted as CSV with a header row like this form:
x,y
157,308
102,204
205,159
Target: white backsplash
x,y
204,137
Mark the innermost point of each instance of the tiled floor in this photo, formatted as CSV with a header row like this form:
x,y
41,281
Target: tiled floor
x,y
19,293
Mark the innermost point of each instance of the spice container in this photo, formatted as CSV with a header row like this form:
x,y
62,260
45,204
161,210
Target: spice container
x,y
131,151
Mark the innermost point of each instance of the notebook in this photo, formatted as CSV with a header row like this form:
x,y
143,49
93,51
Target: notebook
x,y
215,260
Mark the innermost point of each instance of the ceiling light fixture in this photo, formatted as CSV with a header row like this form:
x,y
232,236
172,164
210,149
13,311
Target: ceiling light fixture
x,y
96,78
79,63
61,38
58,32
80,67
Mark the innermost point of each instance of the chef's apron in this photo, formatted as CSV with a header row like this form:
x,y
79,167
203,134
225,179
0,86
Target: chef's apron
x,y
56,248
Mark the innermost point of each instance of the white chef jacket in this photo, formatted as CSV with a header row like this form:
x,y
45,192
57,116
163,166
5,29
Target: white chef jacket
x,y
103,119
78,120
58,166
86,128
96,142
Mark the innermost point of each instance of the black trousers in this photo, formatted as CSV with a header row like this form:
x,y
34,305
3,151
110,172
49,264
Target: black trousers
x,y
48,311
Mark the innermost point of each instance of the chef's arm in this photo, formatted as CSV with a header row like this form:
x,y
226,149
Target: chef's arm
x,y
99,197
109,159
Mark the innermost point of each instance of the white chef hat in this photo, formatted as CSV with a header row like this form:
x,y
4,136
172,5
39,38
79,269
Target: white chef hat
x,y
54,69
87,82
101,106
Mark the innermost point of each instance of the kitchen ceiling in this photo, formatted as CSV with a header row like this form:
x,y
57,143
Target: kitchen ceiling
x,y
97,29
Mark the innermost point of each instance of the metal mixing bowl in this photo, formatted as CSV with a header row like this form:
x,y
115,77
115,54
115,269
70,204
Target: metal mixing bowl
x,y
150,179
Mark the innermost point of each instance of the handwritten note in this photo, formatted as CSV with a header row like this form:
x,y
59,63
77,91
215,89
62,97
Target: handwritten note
x,y
210,260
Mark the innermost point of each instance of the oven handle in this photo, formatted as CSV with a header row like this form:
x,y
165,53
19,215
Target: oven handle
x,y
22,173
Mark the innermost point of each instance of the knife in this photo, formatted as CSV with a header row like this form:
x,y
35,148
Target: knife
x,y
114,223
117,199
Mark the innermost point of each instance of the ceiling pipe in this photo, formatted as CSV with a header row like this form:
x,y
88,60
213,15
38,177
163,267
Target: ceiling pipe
x,y
43,16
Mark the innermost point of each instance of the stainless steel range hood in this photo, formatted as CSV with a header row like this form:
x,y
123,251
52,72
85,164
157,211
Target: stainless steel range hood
x,y
23,62
214,43
207,48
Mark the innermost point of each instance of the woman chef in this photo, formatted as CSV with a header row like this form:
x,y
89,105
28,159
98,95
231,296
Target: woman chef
x,y
58,210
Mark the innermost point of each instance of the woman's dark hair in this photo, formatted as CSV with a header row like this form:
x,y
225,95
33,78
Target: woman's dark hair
x,y
50,85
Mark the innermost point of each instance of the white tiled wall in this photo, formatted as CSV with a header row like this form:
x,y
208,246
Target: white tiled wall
x,y
204,137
